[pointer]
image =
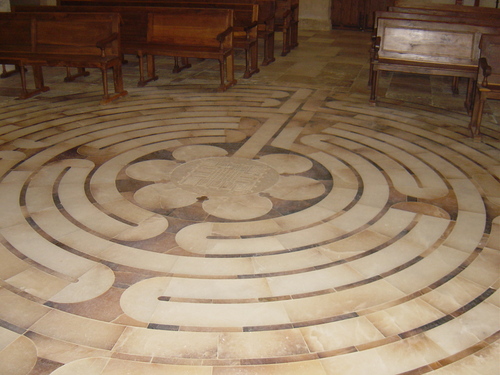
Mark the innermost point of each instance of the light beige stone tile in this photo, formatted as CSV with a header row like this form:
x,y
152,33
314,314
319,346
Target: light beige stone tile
x,y
18,357
265,344
78,330
341,335
168,344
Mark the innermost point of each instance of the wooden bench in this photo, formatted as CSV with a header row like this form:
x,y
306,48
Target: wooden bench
x,y
488,81
265,23
134,31
280,19
427,47
193,32
459,17
134,28
83,40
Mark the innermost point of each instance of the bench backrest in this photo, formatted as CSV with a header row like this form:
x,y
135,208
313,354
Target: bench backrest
x,y
464,18
59,32
267,8
133,27
190,26
430,42
15,33
450,10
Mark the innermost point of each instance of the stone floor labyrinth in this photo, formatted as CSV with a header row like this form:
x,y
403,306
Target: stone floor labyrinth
x,y
265,230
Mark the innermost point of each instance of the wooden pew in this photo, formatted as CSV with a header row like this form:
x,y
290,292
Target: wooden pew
x,y
134,26
488,81
193,32
283,21
427,47
459,18
265,21
135,33
83,40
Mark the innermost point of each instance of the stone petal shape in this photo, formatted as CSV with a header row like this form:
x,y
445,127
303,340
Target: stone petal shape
x,y
287,163
193,152
296,188
151,170
244,207
164,196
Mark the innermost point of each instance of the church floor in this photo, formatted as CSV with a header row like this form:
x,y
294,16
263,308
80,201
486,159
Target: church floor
x,y
284,226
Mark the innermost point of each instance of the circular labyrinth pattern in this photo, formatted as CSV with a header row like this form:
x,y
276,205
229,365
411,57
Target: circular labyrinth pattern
x,y
259,231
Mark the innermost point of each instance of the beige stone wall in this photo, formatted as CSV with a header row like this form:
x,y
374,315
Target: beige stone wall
x,y
315,14
4,6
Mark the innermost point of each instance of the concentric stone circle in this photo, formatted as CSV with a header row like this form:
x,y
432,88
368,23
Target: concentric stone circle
x,y
374,237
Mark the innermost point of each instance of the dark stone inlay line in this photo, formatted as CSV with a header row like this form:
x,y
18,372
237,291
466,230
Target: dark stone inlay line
x,y
12,327
163,327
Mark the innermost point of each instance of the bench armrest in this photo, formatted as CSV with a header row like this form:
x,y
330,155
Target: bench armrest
x,y
223,35
483,64
251,26
375,48
101,44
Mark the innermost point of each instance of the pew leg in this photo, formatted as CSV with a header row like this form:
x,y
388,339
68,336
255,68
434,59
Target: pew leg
x,y
118,78
24,90
7,73
373,57
454,85
150,67
226,66
39,84
183,65
268,49
373,94
469,99
247,73
81,72
286,40
251,60
477,116
254,57
118,84
105,97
